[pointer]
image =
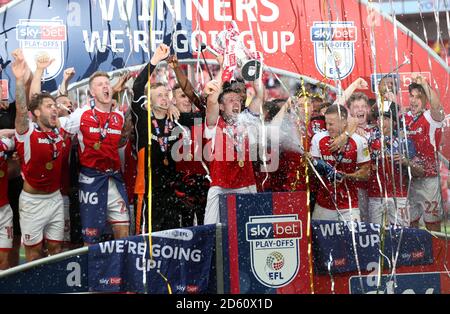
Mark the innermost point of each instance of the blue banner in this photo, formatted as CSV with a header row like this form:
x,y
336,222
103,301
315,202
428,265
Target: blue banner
x,y
412,283
91,35
66,276
334,242
181,259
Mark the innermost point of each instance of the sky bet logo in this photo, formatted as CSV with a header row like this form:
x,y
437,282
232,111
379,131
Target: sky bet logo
x,y
41,32
333,33
274,248
277,230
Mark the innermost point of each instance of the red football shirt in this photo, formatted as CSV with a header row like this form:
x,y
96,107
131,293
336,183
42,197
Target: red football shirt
x,y
426,134
88,124
41,155
355,154
224,166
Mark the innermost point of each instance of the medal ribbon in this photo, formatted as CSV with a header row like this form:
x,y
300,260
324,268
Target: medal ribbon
x,y
162,140
52,141
103,130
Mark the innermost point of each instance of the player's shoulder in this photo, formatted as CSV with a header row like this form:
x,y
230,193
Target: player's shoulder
x,y
359,140
319,136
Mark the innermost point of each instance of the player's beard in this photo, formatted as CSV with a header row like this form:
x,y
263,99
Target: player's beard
x,y
46,122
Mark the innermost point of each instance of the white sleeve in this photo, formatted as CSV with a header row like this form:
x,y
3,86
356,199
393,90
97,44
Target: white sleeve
x,y
23,137
363,154
71,123
210,132
315,149
431,121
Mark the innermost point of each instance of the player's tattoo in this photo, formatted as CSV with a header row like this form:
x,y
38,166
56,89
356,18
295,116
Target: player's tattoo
x,y
21,108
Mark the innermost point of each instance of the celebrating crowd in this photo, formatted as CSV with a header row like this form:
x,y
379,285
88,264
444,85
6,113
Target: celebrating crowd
x,y
81,173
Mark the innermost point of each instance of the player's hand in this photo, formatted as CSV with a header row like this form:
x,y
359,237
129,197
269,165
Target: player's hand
x,y
361,83
173,113
338,143
69,73
19,67
160,54
212,87
172,61
43,61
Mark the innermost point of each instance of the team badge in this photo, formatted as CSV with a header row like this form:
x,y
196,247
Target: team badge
x,y
334,48
274,248
37,37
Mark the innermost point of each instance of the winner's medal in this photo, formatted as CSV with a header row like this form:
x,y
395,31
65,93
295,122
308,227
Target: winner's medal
x,y
49,165
241,163
189,157
166,162
97,146
2,173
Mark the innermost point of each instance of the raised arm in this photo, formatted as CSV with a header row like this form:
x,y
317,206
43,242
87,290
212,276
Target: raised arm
x,y
212,89
436,110
19,69
69,73
42,63
256,104
184,82
139,84
359,83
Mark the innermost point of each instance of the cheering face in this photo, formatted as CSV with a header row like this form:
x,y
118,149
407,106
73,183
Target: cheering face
x,y
360,109
335,124
64,106
47,113
182,102
416,103
101,90
231,105
160,98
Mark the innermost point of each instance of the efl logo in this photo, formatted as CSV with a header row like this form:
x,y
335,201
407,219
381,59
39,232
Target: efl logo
x,y
334,48
274,248
43,36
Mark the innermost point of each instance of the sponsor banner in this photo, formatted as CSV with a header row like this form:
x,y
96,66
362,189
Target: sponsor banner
x,y
115,34
269,254
334,48
405,283
401,81
67,276
181,258
38,37
334,245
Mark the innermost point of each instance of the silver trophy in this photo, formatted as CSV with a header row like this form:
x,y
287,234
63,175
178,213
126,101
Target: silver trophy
x,y
237,57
